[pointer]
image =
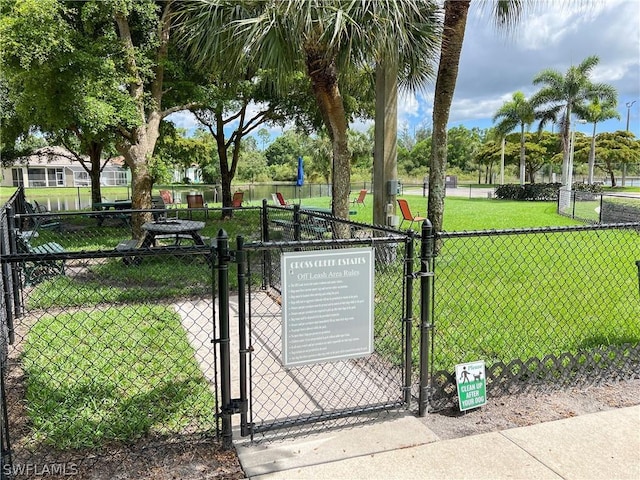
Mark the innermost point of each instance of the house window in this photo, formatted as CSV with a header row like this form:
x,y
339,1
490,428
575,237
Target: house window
x,y
56,177
18,177
81,179
37,177
113,177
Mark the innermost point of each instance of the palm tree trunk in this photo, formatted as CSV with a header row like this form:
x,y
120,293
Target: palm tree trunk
x,y
324,81
592,156
522,156
455,20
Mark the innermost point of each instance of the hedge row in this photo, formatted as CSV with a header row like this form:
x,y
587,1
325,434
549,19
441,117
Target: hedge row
x,y
528,191
541,191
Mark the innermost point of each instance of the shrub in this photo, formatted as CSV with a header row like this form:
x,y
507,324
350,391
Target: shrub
x,y
529,191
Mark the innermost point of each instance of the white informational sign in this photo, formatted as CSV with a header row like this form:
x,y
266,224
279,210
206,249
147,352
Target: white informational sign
x,y
327,305
472,385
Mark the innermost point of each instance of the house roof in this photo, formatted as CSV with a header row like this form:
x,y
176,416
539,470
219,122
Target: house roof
x,y
55,156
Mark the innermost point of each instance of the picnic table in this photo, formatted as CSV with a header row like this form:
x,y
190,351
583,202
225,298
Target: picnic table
x,y
116,206
173,228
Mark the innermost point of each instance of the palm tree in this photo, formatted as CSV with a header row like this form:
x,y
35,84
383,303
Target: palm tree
x,y
505,14
563,95
327,40
517,112
596,112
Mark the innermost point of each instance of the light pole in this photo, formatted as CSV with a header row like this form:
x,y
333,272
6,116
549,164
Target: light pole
x,y
570,166
629,105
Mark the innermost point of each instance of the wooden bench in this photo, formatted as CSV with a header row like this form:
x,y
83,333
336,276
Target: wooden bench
x,y
128,246
316,229
38,271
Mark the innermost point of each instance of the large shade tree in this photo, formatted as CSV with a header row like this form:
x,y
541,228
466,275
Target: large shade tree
x,y
59,83
328,40
562,95
506,14
118,73
518,112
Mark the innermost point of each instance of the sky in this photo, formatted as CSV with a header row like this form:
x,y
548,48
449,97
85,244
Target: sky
x,y
556,34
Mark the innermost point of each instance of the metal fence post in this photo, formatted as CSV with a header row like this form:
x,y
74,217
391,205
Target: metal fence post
x,y
266,265
296,223
600,210
426,311
408,317
224,340
241,261
15,268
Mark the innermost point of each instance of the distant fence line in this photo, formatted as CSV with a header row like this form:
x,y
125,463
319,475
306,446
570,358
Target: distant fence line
x,y
599,207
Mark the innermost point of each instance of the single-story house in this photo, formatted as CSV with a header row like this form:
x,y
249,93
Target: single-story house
x,y
57,167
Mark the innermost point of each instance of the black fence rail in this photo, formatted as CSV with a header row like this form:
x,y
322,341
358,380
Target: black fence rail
x,y
543,308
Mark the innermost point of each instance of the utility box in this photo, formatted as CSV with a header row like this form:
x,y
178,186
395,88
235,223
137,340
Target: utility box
x,y
393,187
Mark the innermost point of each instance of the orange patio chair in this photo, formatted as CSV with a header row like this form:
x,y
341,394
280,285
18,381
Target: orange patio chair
x,y
196,200
407,215
167,198
236,201
359,200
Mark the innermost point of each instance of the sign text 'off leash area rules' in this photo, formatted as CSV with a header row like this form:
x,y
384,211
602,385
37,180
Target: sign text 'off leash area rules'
x,y
472,385
327,305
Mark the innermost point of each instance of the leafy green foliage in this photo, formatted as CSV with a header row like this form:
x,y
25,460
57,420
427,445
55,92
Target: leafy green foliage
x,y
529,191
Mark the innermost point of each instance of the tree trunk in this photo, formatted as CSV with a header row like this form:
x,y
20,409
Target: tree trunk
x,y
455,19
592,156
95,152
523,158
141,182
139,143
324,81
566,146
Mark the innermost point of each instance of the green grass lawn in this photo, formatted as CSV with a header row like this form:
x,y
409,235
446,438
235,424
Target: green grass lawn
x,y
470,214
113,375
497,298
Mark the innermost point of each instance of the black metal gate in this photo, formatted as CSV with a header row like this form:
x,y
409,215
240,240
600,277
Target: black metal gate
x,y
273,399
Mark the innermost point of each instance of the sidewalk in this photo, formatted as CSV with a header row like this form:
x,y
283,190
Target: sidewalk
x,y
604,445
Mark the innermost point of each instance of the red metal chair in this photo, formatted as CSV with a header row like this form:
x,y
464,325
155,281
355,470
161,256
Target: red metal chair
x,y
236,201
407,215
281,200
167,198
359,200
196,200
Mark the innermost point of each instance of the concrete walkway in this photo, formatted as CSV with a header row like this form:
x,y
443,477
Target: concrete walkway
x,y
596,446
604,445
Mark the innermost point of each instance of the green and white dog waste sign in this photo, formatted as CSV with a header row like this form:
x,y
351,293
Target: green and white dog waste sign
x,y
472,385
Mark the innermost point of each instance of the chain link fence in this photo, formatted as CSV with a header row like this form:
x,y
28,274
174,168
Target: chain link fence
x,y
110,351
111,369
285,400
544,308
599,207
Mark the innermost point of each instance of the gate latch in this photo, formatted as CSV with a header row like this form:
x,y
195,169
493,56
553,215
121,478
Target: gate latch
x,y
236,405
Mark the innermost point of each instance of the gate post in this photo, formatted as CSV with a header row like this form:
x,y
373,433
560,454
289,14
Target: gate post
x,y
224,340
408,317
266,265
241,261
296,223
426,312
